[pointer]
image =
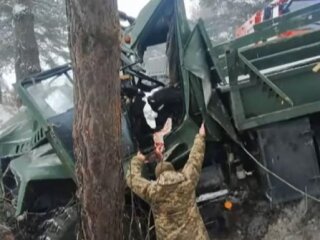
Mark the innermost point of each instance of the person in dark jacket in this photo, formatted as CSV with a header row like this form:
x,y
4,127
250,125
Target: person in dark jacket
x,y
172,195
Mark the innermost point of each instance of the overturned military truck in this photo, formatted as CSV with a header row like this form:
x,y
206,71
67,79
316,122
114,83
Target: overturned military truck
x,y
258,96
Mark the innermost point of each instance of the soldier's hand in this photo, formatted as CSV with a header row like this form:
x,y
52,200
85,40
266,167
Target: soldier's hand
x,y
202,130
141,157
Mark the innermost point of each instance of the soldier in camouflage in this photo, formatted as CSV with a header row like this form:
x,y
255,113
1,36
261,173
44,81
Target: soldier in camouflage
x,y
172,196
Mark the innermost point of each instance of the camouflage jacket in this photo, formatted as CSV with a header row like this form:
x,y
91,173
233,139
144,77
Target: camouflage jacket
x,y
172,197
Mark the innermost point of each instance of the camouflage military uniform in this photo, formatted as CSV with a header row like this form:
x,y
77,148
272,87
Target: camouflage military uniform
x,y
172,197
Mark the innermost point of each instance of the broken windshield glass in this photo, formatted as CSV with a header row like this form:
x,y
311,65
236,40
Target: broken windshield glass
x,y
54,95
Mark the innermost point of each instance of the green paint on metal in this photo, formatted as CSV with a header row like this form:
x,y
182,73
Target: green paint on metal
x,y
183,28
20,135
182,32
39,164
236,104
195,61
151,25
196,55
41,117
252,102
143,20
282,115
213,54
275,72
62,152
214,131
266,80
183,136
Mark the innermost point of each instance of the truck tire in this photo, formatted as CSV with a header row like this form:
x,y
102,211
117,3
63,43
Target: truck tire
x,y
62,225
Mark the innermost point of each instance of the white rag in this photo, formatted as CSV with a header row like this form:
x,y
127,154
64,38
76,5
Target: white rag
x,y
148,112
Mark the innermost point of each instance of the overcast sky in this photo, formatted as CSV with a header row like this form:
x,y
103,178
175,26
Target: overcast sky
x,y
133,7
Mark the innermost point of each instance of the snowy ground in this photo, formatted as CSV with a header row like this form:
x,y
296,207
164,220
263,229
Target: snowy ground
x,y
295,221
256,219
298,221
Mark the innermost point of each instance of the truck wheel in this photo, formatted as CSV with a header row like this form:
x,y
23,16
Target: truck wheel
x,y
62,225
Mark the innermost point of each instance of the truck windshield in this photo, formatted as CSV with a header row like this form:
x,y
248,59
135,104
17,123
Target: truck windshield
x,y
54,95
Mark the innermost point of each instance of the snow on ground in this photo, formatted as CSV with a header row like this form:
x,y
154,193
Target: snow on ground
x,y
6,113
296,221
257,220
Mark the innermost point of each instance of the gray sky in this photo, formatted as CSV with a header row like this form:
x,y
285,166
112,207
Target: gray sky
x,y
131,7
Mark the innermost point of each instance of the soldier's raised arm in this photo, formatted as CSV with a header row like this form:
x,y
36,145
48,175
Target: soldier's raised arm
x,y
192,168
138,184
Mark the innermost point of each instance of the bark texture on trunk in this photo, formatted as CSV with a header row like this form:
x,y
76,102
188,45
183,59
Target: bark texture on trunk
x,y
5,233
27,52
95,53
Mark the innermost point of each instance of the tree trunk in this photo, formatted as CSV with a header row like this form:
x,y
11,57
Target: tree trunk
x,y
27,53
95,53
5,233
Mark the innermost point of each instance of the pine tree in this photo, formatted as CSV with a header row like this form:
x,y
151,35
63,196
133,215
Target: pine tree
x,y
27,54
222,17
50,25
95,52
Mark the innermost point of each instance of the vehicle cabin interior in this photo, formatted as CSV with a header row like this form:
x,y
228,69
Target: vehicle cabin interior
x,y
157,86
